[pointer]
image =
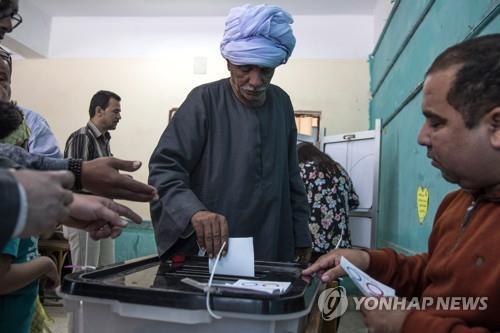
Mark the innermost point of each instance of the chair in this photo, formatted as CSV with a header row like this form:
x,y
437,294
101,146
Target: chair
x,y
56,248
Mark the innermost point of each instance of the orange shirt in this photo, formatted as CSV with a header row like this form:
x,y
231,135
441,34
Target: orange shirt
x,y
463,260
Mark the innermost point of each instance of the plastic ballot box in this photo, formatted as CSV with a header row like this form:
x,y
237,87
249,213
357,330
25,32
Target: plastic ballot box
x,y
149,295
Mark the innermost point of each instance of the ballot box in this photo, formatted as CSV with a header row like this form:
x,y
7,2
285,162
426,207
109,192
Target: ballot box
x,y
148,296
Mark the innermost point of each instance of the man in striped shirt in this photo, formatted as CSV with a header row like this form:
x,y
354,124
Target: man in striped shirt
x,y
88,143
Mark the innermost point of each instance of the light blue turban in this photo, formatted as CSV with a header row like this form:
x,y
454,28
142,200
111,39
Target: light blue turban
x,y
258,35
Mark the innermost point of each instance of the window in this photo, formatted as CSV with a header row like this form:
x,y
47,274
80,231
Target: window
x,y
308,125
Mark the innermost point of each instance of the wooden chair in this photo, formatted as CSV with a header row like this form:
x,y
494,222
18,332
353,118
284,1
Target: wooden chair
x,y
56,249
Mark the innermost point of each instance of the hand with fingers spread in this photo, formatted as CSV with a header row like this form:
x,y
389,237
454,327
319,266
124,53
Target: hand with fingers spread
x,y
211,231
327,267
99,216
102,177
48,194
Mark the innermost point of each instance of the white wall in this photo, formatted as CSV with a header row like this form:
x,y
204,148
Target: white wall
x,y
60,90
381,13
32,37
329,37
153,72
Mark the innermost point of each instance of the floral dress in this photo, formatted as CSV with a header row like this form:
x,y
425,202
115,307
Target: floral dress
x,y
330,198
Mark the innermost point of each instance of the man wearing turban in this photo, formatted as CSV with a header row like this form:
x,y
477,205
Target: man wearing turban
x,y
226,165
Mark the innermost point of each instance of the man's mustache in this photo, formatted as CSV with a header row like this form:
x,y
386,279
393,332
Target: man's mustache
x,y
254,90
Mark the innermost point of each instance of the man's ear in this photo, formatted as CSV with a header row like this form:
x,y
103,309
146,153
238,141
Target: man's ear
x,y
98,110
494,125
228,65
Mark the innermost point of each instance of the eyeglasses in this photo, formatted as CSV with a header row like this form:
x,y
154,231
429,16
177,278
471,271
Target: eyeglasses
x,y
15,20
4,55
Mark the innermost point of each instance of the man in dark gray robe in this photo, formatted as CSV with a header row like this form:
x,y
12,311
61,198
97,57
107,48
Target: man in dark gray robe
x,y
227,163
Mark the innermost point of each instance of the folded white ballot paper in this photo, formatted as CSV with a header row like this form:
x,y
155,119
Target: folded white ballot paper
x,y
368,285
253,286
239,259
269,287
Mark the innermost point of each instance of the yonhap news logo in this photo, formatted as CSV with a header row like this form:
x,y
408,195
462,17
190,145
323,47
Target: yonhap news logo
x,y
332,303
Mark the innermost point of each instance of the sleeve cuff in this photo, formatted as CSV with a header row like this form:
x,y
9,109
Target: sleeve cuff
x,y
23,211
303,239
188,231
378,263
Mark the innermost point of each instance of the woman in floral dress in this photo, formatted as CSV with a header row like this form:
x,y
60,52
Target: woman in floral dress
x,y
331,196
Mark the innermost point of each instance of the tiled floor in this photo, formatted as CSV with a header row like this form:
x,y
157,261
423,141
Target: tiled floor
x,y
60,324
351,322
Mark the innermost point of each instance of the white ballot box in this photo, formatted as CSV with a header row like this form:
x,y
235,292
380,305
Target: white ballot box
x,y
147,296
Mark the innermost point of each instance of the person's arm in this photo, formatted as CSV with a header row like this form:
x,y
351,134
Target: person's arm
x,y
304,170
174,159
415,321
18,276
101,176
28,160
300,206
352,197
47,194
41,141
10,206
403,273
406,273
426,321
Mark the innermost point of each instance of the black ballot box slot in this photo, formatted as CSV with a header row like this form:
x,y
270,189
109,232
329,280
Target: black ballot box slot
x,y
156,282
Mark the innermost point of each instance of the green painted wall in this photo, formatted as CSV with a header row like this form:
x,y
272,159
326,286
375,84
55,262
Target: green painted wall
x,y
416,32
135,241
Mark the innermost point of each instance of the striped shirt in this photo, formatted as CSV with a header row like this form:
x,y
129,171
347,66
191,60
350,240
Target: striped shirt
x,y
88,143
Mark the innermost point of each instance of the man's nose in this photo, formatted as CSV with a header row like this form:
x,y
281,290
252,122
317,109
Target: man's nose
x,y
6,24
256,78
423,135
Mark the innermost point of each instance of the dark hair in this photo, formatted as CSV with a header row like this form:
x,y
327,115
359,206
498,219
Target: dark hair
x,y
6,4
476,88
11,118
308,152
101,98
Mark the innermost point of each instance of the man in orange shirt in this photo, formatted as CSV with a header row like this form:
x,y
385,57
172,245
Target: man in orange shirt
x,y
461,104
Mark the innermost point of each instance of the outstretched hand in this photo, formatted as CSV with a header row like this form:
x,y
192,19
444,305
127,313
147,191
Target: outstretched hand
x,y
99,216
328,268
48,194
102,176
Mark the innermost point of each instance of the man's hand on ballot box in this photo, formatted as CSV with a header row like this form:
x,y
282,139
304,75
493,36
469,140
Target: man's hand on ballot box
x,y
211,231
327,267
